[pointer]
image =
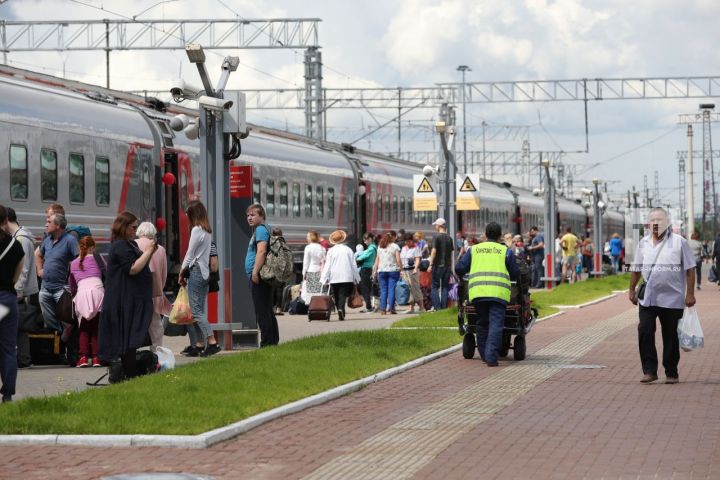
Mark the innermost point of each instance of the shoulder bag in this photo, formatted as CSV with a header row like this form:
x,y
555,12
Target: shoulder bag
x,y
640,292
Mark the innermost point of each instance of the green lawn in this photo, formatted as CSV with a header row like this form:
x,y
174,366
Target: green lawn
x,y
223,389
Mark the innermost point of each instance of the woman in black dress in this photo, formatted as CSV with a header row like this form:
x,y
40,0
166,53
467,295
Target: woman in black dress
x,y
127,306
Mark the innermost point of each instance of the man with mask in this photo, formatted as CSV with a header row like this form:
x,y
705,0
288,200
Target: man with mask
x,y
667,266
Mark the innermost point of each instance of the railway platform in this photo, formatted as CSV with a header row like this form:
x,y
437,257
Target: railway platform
x,y
573,409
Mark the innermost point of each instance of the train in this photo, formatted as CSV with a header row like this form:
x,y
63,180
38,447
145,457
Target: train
x,y
99,152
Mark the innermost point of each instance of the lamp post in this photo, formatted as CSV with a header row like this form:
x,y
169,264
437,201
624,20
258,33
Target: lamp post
x,y
463,69
550,228
447,139
598,207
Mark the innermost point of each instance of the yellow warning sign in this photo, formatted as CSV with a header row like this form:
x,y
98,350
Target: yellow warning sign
x,y
467,186
425,204
425,187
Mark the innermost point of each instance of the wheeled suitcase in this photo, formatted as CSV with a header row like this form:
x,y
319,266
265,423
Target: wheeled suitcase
x,y
321,306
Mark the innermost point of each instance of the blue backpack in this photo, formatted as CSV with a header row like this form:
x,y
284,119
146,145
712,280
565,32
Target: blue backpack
x,y
402,293
79,231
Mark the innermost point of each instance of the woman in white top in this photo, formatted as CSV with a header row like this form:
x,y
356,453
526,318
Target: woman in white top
x,y
410,258
195,273
339,271
313,261
387,267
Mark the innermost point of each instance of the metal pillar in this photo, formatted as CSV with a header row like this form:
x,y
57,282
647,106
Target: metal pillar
x,y
464,69
709,200
597,230
399,120
107,53
550,227
313,94
681,196
447,142
690,184
656,195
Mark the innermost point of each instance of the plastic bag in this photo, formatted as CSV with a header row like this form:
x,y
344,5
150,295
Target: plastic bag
x,y
181,314
689,331
166,359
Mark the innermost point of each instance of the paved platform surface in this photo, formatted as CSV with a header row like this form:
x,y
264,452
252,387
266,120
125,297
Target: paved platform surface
x,y
573,409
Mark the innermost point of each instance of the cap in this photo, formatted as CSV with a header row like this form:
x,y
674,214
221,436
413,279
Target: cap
x,y
439,221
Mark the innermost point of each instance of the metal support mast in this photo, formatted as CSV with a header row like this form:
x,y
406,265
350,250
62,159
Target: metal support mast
x,y
313,94
681,196
709,200
656,194
690,184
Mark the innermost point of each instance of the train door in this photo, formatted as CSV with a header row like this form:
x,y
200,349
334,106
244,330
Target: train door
x,y
175,200
362,209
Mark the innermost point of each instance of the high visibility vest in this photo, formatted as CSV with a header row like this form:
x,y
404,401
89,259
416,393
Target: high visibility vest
x,y
489,276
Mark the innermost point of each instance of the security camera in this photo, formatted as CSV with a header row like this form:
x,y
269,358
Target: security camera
x,y
601,205
214,104
538,191
179,122
587,204
586,191
181,90
429,171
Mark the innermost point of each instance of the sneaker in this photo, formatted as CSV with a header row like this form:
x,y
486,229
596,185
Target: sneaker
x,y
649,378
96,362
83,362
6,398
210,350
672,380
187,350
24,365
194,351
365,310
341,315
408,311
492,364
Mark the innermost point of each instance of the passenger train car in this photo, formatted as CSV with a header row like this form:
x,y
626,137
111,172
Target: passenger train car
x,y
99,152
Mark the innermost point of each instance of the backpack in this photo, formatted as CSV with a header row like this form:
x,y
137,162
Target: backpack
x,y
298,307
278,267
214,278
78,231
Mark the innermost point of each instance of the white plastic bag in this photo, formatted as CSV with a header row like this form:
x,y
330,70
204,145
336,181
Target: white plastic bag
x,y
690,333
166,359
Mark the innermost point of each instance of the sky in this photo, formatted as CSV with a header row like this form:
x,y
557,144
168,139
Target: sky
x,y
413,43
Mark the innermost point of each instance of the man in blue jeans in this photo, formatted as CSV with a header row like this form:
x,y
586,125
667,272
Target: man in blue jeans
x,y
492,266
441,265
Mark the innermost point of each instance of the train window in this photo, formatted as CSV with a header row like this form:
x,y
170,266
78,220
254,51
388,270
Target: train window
x,y
102,181
256,191
388,208
183,190
378,207
284,199
319,202
308,200
395,208
402,209
77,178
18,172
48,175
270,197
331,202
147,190
350,202
296,200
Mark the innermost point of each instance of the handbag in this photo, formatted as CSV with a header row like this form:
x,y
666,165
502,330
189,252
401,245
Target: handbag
x,y
64,310
355,300
640,292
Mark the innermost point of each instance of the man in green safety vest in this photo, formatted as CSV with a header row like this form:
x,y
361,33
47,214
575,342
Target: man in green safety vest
x,y
491,266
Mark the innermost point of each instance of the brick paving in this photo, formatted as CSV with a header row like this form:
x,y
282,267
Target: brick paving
x,y
575,423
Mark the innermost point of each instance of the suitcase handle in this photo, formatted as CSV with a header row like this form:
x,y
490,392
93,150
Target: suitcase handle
x,y
323,286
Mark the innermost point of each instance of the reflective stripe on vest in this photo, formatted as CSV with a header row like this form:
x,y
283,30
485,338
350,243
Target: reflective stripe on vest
x,y
489,276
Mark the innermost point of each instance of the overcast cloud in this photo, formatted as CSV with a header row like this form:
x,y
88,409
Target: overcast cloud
x,y
420,42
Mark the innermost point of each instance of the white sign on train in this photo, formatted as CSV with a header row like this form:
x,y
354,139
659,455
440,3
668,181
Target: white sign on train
x,y
467,193
424,194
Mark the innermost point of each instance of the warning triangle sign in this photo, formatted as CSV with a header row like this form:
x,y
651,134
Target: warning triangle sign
x,y
468,186
425,187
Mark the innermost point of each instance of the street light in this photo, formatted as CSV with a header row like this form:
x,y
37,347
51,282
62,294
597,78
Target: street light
x,y
463,69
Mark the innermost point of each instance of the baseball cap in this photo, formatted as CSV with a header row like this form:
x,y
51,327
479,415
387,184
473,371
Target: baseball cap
x,y
439,221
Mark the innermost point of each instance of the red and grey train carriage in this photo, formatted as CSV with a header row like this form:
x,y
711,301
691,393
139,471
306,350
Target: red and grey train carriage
x,y
99,152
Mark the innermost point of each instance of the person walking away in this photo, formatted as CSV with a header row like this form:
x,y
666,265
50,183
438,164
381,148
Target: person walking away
x,y
261,292
537,253
441,264
667,266
195,273
387,268
88,291
587,254
26,285
147,234
491,266
339,271
11,264
568,242
313,261
422,244
127,306
366,261
410,260
697,250
277,290
716,256
616,247
56,252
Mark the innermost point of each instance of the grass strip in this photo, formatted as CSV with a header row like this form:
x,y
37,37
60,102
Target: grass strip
x,y
565,294
224,389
